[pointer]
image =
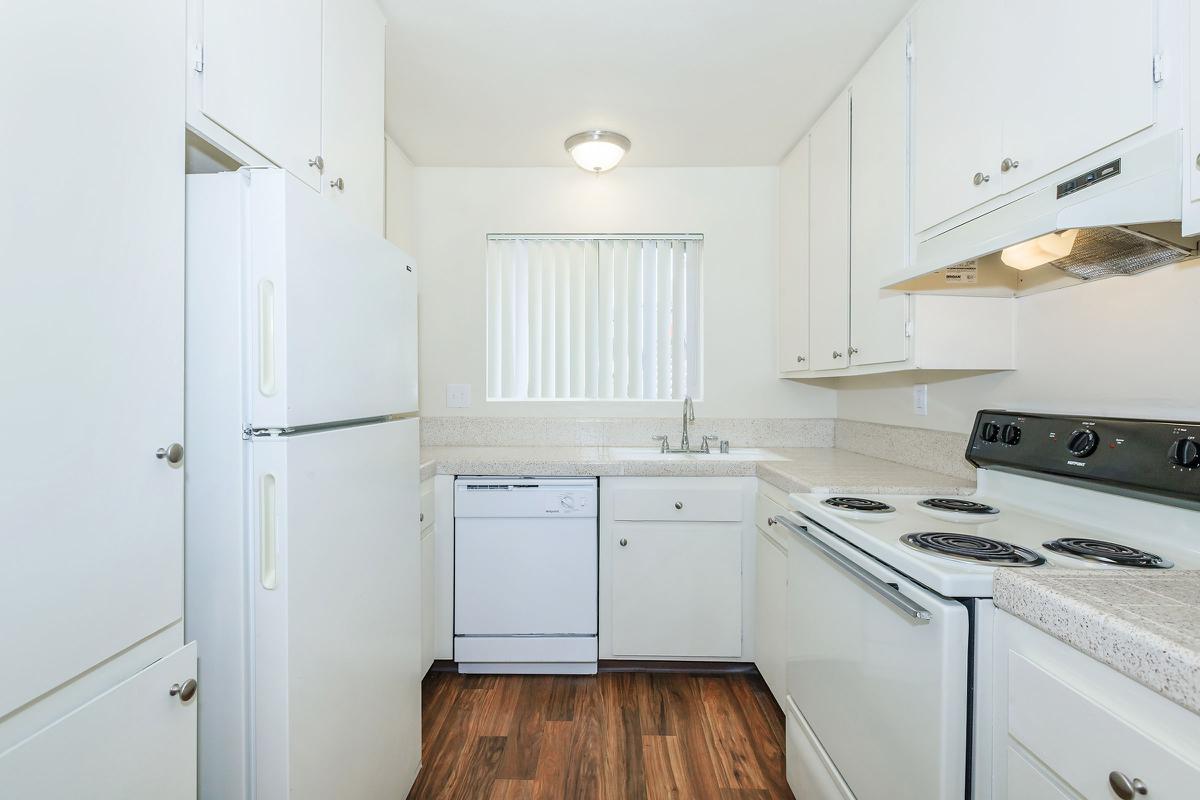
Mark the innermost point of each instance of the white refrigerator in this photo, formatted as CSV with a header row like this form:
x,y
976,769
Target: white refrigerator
x,y
302,496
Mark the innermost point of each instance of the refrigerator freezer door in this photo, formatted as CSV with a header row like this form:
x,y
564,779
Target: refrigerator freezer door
x,y
335,578
331,311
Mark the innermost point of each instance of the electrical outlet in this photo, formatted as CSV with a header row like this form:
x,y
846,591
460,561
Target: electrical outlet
x,y
458,395
921,399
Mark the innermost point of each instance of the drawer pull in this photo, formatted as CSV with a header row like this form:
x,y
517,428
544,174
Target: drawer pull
x,y
1125,788
624,543
678,506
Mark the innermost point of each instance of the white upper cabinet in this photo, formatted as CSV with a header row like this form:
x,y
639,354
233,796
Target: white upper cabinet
x,y
830,236
956,125
1005,94
879,230
261,78
352,107
1191,157
1081,77
793,260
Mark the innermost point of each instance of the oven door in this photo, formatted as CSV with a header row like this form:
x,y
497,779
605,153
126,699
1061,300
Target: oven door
x,y
877,665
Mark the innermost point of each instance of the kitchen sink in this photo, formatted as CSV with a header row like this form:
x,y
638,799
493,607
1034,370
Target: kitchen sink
x,y
734,454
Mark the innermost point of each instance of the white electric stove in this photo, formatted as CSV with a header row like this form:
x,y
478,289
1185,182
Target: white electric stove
x,y
889,595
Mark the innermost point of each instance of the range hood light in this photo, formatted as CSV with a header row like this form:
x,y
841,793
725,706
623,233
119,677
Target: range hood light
x,y
1039,251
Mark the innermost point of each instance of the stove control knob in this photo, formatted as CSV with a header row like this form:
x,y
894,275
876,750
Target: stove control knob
x,y
1083,443
1010,434
990,432
1185,453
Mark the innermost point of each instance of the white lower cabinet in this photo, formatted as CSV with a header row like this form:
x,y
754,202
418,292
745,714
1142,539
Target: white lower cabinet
x,y
1068,726
136,740
676,568
427,574
770,596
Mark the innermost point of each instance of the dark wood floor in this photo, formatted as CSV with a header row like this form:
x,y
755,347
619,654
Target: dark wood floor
x,y
616,736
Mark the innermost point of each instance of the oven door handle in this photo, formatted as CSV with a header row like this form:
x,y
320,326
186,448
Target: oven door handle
x,y
920,615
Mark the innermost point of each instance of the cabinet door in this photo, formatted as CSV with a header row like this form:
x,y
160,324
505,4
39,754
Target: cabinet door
x,y
793,260
830,243
1191,158
677,590
770,628
956,121
134,741
352,109
262,77
426,599
879,229
1063,101
91,294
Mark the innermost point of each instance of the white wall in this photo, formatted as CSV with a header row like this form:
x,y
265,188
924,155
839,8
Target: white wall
x,y
735,209
399,211
1119,347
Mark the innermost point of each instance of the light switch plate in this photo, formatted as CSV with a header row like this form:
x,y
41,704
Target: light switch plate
x,y
921,399
458,395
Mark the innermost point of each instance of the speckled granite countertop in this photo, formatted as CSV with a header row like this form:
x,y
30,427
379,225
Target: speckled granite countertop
x,y
801,469
1144,623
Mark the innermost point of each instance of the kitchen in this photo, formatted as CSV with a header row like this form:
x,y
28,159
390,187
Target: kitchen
x,y
837,437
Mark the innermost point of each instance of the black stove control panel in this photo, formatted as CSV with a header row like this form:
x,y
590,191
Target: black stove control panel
x,y
1150,456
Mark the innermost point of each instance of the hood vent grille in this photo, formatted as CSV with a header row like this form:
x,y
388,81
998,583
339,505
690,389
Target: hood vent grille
x,y
1112,251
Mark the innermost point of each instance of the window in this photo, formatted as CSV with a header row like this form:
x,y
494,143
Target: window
x,y
593,317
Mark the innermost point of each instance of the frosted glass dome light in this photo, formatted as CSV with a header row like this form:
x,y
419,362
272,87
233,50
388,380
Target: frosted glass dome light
x,y
597,151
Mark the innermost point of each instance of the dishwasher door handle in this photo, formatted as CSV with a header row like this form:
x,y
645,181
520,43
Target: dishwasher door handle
x,y
919,614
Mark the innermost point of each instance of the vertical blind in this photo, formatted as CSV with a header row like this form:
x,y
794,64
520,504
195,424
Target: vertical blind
x,y
593,318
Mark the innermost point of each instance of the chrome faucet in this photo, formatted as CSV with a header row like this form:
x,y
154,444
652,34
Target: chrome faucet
x,y
689,415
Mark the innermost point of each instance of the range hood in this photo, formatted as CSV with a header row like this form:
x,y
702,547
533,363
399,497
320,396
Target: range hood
x,y
1117,217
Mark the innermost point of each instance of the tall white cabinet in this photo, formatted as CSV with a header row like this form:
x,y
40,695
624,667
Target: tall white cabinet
x,y
792,303
91,554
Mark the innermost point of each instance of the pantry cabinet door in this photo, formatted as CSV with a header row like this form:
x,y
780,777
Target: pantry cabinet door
x,y
677,589
91,298
829,279
136,740
1082,78
956,116
793,297
352,109
879,229
262,77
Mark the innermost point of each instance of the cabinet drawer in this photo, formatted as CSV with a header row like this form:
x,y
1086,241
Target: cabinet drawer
x,y
764,509
1082,741
685,505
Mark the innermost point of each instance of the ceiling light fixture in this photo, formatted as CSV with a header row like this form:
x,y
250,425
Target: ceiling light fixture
x,y
597,151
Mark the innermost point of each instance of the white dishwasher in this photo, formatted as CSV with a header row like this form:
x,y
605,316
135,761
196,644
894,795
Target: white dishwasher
x,y
525,575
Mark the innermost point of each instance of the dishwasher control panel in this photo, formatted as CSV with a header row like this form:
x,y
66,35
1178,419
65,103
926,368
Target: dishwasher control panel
x,y
525,497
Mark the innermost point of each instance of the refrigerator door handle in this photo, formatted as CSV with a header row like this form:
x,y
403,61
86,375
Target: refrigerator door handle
x,y
266,338
267,574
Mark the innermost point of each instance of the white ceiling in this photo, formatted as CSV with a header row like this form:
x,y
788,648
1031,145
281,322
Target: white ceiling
x,y
691,82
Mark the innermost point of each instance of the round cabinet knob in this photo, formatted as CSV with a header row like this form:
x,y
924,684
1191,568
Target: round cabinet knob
x,y
1083,443
318,163
172,453
1185,453
1009,163
980,178
799,359
337,183
184,691
836,354
1010,434
1125,788
624,543
990,432
678,506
